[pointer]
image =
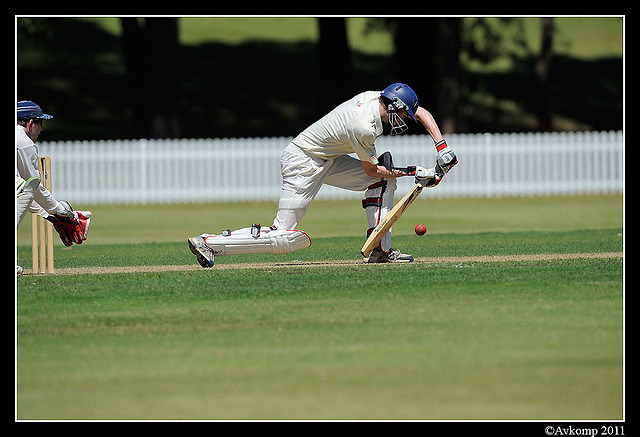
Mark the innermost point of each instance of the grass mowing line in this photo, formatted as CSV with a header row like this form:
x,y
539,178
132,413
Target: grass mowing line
x,y
331,263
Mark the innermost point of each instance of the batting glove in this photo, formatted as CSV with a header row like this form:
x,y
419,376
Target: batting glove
x,y
445,157
426,177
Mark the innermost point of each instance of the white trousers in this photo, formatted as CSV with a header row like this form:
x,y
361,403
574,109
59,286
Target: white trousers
x,y
303,176
24,198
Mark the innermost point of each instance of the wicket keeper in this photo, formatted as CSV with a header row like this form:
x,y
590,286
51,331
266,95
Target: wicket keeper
x,y
31,195
321,154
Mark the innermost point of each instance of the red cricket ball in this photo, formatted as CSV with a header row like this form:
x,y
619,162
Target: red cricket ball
x,y
421,229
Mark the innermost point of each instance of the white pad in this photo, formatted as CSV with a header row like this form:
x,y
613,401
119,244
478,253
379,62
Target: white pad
x,y
279,241
375,214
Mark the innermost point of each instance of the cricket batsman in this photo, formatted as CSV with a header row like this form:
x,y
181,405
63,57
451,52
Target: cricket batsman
x,y
31,195
321,155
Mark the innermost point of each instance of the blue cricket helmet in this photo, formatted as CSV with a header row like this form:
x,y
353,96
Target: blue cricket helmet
x,y
28,110
399,92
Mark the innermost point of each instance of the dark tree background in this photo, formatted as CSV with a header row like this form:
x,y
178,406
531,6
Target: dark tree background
x,y
145,84
152,56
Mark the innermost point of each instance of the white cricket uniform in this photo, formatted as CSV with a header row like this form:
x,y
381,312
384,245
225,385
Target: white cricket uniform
x,y
320,155
27,167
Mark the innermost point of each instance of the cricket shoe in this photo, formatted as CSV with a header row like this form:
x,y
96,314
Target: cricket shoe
x,y
377,255
201,251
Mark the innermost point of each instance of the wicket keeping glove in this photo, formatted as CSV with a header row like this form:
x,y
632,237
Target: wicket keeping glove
x,y
71,226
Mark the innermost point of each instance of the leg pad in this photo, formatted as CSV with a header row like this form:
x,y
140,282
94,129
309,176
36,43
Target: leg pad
x,y
269,240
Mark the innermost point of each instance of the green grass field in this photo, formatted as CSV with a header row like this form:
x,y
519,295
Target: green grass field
x,y
300,337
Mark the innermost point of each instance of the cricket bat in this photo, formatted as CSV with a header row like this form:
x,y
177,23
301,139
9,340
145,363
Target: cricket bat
x,y
387,222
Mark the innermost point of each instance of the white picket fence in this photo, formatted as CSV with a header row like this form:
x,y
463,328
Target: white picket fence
x,y
248,169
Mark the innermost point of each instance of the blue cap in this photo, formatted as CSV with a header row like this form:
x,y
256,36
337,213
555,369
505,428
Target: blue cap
x,y
28,110
404,94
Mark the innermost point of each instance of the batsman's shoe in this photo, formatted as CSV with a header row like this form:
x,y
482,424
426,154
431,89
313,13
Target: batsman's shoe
x,y
202,252
377,255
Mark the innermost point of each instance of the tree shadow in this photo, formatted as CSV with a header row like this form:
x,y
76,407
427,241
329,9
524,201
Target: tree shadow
x,y
587,94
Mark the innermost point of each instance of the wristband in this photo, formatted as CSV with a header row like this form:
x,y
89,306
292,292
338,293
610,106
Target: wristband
x,y
441,145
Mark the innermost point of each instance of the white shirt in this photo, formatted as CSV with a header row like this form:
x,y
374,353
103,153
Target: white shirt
x,y
27,167
352,127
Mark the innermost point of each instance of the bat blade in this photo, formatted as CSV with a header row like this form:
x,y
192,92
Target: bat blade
x,y
388,221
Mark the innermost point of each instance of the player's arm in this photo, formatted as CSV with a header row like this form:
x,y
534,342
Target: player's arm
x,y
446,159
379,171
427,120
426,176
